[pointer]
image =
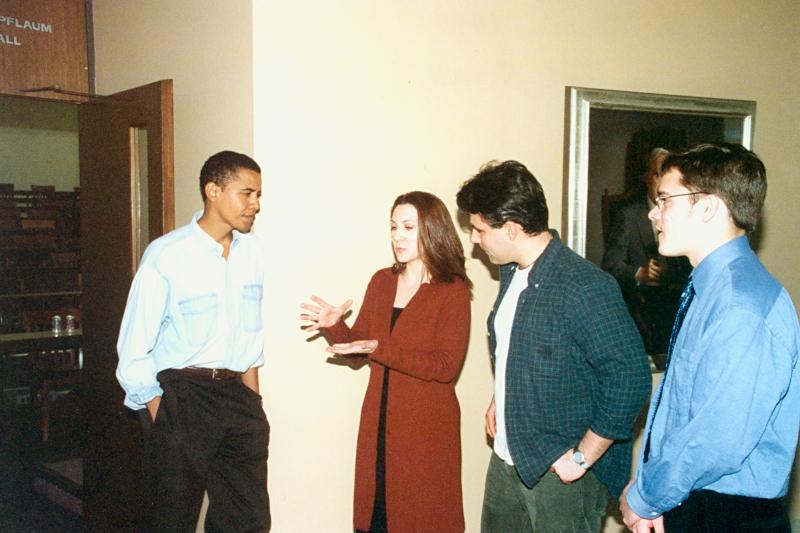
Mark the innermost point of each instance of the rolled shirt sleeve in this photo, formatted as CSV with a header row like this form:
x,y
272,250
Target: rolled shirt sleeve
x,y
611,344
141,323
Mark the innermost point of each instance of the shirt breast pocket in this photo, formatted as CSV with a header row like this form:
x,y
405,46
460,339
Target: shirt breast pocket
x,y
199,315
251,307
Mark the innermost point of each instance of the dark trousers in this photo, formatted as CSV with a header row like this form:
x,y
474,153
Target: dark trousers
x,y
709,511
549,507
207,436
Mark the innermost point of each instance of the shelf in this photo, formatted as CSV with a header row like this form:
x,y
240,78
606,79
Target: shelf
x,y
55,294
11,343
27,268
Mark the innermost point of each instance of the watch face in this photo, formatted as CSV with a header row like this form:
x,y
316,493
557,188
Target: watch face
x,y
578,457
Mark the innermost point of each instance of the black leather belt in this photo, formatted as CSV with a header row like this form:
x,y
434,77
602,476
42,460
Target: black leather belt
x,y
217,374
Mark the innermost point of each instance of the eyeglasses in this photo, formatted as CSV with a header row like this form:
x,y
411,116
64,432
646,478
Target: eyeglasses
x,y
661,200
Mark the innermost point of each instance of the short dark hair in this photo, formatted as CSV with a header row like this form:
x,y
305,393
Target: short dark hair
x,y
221,168
505,191
439,245
729,171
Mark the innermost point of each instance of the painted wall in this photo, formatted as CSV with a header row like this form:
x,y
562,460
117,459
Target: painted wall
x,y
355,102
358,101
206,48
38,143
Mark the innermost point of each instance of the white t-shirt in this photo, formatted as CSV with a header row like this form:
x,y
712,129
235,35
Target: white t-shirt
x,y
503,321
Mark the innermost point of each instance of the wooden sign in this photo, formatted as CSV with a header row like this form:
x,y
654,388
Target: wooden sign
x,y
43,43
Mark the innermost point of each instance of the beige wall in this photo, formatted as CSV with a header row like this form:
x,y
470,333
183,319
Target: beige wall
x,y
354,102
359,101
205,46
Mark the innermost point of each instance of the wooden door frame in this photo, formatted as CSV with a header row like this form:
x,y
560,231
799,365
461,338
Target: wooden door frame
x,y
114,493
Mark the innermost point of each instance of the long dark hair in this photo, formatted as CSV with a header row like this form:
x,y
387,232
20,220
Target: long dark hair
x,y
439,246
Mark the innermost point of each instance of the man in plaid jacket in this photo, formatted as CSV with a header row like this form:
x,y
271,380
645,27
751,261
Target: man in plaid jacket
x,y
571,373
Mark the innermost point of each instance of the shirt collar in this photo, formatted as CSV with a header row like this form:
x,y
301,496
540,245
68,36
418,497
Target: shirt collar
x,y
712,265
547,256
544,259
205,240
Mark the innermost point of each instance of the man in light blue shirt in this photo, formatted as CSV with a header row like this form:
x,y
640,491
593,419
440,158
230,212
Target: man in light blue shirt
x,y
723,426
189,346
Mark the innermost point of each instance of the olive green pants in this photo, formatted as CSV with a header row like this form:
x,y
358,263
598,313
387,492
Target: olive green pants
x,y
550,506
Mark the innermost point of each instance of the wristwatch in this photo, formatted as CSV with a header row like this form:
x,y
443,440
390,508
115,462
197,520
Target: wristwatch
x,y
579,458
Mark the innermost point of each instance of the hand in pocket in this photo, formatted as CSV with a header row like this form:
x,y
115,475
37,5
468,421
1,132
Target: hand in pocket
x,y
152,407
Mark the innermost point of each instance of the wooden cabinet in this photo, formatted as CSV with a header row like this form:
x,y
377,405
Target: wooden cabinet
x,y
41,374
40,267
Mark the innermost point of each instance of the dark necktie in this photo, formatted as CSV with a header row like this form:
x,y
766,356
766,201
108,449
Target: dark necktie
x,y
686,300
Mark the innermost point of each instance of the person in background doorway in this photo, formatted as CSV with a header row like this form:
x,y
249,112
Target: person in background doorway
x,y
651,283
189,347
631,253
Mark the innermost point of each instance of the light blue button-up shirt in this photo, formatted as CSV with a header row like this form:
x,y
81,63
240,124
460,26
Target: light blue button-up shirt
x,y
730,409
189,306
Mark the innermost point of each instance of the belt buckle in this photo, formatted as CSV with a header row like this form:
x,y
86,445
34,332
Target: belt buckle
x,y
215,374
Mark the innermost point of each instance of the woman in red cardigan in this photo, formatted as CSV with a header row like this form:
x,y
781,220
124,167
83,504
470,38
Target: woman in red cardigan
x,y
414,327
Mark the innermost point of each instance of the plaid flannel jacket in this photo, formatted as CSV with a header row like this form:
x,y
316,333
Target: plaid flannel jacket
x,y
576,361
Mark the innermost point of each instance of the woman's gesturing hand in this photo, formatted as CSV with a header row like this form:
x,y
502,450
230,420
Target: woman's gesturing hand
x,y
355,347
323,314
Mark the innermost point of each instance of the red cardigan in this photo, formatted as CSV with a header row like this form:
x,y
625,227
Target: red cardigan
x,y
425,350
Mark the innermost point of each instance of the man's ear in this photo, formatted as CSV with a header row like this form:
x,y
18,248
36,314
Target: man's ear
x,y
512,229
212,191
713,207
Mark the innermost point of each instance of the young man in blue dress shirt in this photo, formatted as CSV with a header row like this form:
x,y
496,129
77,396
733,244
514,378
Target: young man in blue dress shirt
x,y
722,429
189,347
